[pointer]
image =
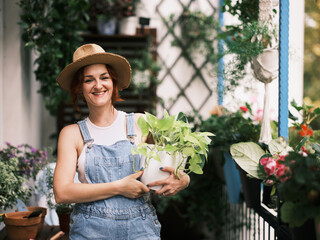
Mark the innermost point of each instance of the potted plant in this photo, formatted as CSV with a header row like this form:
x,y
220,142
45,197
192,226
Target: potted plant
x,y
174,145
292,171
229,128
113,16
252,40
24,162
63,210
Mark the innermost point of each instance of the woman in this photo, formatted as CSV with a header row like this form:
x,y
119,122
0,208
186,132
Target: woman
x,y
111,201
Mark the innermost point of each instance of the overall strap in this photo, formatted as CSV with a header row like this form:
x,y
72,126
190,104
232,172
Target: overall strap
x,y
130,127
85,133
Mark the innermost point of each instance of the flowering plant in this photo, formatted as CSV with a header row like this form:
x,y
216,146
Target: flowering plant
x,y
30,160
231,127
293,172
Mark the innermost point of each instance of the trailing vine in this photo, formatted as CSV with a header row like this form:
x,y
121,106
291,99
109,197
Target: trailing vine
x,y
52,29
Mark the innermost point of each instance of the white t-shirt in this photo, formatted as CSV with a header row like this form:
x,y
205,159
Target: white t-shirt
x,y
102,136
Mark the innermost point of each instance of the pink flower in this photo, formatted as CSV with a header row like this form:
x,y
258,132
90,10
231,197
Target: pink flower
x,y
269,165
303,152
259,115
281,170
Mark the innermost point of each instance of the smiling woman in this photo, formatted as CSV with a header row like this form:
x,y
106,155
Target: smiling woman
x,y
99,149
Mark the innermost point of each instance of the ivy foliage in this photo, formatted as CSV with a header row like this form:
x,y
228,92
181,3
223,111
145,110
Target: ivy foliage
x,y
52,29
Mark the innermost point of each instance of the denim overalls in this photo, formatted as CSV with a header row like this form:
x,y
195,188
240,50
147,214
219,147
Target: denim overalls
x,y
117,217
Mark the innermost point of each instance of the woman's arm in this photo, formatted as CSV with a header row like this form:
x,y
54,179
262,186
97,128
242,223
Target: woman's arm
x,y
66,191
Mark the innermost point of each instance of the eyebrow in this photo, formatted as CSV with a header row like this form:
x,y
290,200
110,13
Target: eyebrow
x,y
102,74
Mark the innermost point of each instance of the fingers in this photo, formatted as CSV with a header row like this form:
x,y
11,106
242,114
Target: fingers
x,y
168,169
137,174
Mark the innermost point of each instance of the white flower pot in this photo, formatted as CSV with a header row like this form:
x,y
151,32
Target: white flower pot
x,y
153,173
266,65
128,25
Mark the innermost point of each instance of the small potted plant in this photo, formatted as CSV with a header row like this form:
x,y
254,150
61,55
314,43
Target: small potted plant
x,y
174,145
24,162
12,188
63,210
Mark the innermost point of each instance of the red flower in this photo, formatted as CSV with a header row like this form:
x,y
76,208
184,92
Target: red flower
x,y
305,131
244,109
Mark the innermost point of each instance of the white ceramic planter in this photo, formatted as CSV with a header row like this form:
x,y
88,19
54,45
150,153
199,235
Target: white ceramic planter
x,y
266,65
128,25
153,173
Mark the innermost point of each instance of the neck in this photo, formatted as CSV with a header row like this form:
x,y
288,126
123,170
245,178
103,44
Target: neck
x,y
103,117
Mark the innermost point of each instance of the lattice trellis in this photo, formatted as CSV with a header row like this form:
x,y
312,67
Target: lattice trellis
x,y
185,85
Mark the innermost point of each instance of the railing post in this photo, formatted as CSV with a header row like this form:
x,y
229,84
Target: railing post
x,y
221,63
284,69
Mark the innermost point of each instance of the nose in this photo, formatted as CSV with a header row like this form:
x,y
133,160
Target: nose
x,y
98,84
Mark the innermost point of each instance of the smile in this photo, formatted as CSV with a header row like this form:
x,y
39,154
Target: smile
x,y
99,93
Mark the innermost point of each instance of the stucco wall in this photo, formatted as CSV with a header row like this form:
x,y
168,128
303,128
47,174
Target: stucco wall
x,y
22,111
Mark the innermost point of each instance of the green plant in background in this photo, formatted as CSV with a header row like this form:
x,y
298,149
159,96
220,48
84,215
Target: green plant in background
x,y
52,29
311,58
175,137
30,159
198,36
231,127
144,72
302,127
246,40
11,180
47,190
301,191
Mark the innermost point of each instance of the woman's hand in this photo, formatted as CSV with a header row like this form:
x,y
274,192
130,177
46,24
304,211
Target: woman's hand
x,y
171,185
130,187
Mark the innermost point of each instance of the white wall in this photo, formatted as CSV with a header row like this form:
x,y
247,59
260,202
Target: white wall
x,y
21,107
1,70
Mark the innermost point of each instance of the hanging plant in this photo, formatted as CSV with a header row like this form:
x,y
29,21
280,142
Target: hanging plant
x,y
198,36
247,39
52,29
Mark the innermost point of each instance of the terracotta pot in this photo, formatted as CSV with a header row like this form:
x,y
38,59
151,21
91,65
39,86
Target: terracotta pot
x,y
42,215
20,228
64,222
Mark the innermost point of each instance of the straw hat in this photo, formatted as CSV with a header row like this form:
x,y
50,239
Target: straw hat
x,y
91,54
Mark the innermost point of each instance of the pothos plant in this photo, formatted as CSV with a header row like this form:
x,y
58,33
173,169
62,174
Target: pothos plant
x,y
52,29
174,136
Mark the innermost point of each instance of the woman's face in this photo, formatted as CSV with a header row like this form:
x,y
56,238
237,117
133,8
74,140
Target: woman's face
x,y
97,85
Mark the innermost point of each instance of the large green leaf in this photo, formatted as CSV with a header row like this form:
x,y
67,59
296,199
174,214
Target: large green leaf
x,y
166,123
247,156
279,146
143,126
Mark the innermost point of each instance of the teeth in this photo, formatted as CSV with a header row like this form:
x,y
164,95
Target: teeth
x,y
99,93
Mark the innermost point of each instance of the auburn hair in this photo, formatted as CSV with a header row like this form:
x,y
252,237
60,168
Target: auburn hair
x,y
77,81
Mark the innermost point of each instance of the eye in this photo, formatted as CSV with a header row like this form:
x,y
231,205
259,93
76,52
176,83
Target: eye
x,y
88,80
105,78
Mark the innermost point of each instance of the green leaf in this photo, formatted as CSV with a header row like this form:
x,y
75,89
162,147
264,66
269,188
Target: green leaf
x,y
189,151
143,126
152,120
247,156
170,148
279,146
196,168
166,123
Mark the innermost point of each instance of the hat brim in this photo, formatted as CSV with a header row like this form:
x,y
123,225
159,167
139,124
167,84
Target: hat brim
x,y
120,65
